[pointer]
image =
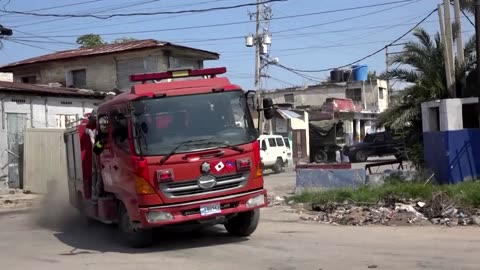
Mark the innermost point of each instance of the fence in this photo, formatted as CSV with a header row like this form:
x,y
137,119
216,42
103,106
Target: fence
x,y
44,159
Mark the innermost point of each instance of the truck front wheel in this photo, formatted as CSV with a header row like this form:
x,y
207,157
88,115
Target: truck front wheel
x,y
134,236
243,224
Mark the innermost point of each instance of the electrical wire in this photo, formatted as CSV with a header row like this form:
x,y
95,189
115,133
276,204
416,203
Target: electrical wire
x,y
468,18
372,54
246,22
29,45
103,17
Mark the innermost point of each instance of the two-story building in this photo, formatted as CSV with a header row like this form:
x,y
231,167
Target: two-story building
x,y
370,98
106,68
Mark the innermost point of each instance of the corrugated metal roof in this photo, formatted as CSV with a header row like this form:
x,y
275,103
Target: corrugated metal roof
x,y
286,114
105,49
26,88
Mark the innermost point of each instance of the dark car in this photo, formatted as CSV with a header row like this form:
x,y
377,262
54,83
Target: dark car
x,y
376,144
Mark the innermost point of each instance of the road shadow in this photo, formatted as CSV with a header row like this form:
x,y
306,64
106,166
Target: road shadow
x,y
100,238
69,227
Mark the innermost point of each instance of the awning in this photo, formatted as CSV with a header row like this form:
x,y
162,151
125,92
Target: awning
x,y
286,114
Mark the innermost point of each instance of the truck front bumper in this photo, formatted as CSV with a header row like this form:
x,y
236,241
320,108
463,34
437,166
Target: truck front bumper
x,y
194,211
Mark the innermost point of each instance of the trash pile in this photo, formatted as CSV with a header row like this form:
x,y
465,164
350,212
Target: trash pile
x,y
440,210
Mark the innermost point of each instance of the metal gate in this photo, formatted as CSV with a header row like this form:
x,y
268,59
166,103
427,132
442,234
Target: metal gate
x,y
16,125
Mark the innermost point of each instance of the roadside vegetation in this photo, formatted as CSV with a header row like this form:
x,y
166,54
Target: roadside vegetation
x,y
466,194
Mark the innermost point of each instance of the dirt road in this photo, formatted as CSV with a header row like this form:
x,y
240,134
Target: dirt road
x,y
280,243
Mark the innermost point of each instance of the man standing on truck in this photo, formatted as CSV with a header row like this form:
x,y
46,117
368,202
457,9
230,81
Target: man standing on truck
x,y
98,141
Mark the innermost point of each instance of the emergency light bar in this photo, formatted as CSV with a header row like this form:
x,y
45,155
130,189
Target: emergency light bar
x,y
212,72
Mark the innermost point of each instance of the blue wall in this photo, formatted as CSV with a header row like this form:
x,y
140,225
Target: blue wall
x,y
454,156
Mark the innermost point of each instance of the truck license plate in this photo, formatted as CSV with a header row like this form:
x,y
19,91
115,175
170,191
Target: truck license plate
x,y
210,209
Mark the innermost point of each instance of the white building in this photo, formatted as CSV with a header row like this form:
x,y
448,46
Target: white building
x,y
35,106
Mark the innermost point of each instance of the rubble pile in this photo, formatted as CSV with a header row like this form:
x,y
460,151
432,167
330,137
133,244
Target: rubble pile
x,y
440,210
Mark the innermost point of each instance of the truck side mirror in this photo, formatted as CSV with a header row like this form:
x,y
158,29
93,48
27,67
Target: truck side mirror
x,y
268,109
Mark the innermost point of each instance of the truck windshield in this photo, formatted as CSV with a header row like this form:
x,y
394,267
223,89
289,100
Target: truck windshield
x,y
162,124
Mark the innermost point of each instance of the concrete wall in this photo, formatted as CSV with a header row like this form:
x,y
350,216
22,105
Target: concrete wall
x,y
41,112
316,95
6,77
44,160
101,71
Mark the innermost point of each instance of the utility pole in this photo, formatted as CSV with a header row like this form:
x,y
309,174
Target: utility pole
x,y
448,73
388,76
261,41
449,49
477,37
459,39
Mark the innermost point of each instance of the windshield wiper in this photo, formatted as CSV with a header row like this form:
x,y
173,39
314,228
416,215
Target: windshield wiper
x,y
169,155
226,145
141,134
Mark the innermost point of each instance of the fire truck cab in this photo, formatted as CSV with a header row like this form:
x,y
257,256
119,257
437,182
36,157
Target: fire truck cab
x,y
181,150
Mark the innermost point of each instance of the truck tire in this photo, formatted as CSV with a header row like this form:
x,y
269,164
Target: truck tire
x,y
243,224
134,237
320,156
277,168
361,156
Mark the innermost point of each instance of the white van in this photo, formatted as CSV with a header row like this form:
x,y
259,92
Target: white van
x,y
275,152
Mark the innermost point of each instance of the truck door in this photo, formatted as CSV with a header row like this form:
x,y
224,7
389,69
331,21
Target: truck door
x,y
105,157
121,170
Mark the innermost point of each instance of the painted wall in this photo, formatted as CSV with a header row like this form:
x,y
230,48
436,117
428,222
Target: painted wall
x,y
316,95
40,112
101,71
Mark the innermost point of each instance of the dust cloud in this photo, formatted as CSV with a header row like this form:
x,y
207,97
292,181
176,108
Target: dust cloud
x,y
55,211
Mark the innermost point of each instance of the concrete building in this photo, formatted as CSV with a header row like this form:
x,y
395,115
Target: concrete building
x,y
108,67
35,106
369,97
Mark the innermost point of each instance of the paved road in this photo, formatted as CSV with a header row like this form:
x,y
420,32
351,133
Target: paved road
x,y
280,243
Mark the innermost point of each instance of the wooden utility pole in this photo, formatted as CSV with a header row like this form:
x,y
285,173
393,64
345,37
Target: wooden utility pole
x,y
444,41
449,49
257,69
477,35
459,36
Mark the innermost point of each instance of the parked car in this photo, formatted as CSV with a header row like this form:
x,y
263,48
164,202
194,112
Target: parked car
x,y
274,152
376,144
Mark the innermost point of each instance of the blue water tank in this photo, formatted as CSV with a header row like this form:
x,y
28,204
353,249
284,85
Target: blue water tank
x,y
360,72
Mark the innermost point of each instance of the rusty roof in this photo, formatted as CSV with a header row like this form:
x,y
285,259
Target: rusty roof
x,y
47,90
105,49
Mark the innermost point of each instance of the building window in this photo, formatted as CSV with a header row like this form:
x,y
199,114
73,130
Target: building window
x,y
354,94
77,78
64,119
66,102
19,100
380,92
29,79
289,98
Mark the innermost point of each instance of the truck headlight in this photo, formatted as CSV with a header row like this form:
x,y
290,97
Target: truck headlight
x,y
256,201
156,216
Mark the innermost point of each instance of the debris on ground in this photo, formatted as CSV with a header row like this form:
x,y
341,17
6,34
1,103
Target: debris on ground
x,y
17,199
439,210
276,200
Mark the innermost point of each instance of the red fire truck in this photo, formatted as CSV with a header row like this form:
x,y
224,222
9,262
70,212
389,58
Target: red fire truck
x,y
179,151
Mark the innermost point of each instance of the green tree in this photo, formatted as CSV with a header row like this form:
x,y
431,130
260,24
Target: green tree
x,y
123,40
90,40
421,63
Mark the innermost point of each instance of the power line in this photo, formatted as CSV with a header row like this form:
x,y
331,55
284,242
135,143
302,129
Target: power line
x,y
103,17
62,6
375,52
29,45
246,22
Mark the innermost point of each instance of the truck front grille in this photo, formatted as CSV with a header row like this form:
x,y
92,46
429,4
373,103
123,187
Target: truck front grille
x,y
188,188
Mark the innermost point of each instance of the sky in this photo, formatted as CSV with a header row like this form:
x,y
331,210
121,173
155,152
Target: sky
x,y
301,41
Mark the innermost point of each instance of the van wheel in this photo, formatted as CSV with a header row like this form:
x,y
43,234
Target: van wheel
x,y
361,156
243,224
277,168
135,237
320,156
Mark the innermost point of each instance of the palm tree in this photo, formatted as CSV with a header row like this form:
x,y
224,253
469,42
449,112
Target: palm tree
x,y
421,63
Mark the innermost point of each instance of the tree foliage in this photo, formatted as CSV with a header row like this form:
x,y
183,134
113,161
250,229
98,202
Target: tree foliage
x,y
90,40
421,62
123,40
